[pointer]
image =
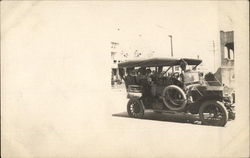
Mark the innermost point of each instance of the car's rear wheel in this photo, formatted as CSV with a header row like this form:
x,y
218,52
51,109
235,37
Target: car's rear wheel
x,y
213,113
135,108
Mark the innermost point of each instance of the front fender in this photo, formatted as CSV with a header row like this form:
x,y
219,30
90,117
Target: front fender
x,y
195,106
211,97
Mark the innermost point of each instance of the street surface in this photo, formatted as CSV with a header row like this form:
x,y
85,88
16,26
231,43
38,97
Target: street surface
x,y
99,127
159,135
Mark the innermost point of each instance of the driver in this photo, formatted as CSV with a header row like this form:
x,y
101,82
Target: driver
x,y
176,81
183,65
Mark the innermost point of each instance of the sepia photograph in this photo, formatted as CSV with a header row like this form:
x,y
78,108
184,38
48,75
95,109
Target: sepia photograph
x,y
125,79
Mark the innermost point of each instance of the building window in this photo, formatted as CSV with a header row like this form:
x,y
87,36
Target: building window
x,y
228,53
225,53
231,53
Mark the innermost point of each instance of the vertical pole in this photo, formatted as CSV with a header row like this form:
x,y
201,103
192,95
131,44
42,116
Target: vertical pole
x,y
171,41
172,54
214,54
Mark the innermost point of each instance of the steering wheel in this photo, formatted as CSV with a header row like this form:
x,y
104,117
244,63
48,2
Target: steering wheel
x,y
174,78
175,75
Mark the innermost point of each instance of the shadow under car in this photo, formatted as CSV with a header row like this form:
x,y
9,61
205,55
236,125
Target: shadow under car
x,y
164,116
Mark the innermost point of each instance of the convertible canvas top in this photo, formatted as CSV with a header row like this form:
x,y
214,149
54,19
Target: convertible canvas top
x,y
153,62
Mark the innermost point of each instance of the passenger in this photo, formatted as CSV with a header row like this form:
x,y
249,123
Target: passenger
x,y
142,80
183,65
148,72
157,74
141,75
160,69
149,76
129,79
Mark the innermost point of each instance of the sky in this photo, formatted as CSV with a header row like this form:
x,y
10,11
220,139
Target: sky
x,y
194,26
143,26
147,26
189,25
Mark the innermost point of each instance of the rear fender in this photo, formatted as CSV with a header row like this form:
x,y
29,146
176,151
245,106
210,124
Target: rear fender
x,y
132,95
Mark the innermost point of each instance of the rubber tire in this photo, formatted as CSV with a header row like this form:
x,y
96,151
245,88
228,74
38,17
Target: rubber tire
x,y
220,106
168,105
140,114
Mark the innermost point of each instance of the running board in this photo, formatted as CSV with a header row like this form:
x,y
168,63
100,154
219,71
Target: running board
x,y
184,114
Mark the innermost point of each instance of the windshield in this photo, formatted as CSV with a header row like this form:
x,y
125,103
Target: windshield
x,y
191,77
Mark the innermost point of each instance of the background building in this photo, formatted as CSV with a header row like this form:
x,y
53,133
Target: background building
x,y
117,56
225,73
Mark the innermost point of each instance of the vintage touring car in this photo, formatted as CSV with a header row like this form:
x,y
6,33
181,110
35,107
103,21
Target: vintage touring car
x,y
158,85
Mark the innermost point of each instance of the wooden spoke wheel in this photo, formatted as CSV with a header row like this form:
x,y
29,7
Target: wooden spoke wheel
x,y
213,113
135,108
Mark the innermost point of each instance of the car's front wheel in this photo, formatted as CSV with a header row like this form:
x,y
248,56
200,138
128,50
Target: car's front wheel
x,y
135,108
213,113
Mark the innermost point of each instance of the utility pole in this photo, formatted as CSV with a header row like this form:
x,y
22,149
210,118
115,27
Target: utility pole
x,y
172,54
171,42
214,54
